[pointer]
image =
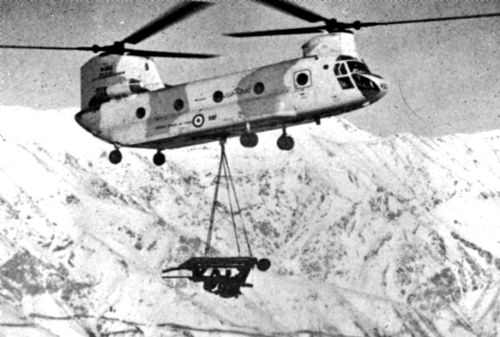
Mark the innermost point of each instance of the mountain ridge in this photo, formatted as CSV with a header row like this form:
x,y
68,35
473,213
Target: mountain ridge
x,y
353,223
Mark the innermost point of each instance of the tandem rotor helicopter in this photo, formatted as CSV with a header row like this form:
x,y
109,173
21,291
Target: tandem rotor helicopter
x,y
125,103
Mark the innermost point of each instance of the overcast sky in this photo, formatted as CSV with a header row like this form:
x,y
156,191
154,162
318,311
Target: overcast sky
x,y
443,77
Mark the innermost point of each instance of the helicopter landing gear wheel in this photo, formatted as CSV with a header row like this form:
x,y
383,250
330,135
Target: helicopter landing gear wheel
x,y
263,264
159,158
115,156
285,142
249,139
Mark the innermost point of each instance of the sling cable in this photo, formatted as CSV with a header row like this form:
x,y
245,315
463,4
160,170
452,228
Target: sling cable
x,y
223,276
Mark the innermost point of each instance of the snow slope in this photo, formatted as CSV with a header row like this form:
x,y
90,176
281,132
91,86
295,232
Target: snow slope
x,y
368,236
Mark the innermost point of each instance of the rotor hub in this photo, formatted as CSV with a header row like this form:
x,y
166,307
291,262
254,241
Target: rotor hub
x,y
172,16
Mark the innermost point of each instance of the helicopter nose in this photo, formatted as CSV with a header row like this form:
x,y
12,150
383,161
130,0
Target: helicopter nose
x,y
382,84
373,87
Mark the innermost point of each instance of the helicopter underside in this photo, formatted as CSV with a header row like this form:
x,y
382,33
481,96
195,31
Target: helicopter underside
x,y
236,130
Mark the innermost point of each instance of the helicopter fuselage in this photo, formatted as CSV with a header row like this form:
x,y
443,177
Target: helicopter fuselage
x,y
125,102
271,97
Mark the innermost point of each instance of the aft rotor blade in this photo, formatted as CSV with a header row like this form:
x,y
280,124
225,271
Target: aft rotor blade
x,y
449,18
7,46
154,53
172,16
290,31
293,9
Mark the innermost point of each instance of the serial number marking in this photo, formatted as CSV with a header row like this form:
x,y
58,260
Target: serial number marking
x,y
238,91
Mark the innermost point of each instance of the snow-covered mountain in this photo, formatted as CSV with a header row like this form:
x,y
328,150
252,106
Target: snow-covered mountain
x,y
368,236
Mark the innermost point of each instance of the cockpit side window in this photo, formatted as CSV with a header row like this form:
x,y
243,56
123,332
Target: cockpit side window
x,y
345,82
336,69
340,69
340,72
356,66
343,70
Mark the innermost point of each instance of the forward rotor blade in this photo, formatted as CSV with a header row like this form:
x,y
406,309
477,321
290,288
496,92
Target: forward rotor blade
x,y
153,53
449,18
172,16
333,26
7,46
290,31
293,9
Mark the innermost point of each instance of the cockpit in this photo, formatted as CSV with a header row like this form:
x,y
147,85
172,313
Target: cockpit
x,y
352,73
358,66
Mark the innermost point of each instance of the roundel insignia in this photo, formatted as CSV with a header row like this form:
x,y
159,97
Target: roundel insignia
x,y
198,120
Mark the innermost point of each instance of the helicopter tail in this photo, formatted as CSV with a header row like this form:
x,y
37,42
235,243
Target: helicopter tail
x,y
110,76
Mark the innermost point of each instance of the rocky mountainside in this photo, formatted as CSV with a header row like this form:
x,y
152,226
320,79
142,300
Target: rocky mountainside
x,y
368,236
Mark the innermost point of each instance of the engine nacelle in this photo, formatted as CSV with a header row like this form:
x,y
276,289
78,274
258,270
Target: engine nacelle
x,y
118,90
122,89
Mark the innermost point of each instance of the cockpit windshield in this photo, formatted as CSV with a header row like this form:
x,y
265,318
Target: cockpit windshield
x,y
357,66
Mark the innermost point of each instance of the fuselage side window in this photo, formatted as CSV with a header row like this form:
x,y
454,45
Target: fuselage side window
x,y
302,78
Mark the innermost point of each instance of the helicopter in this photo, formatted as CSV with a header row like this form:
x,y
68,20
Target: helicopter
x,y
125,102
